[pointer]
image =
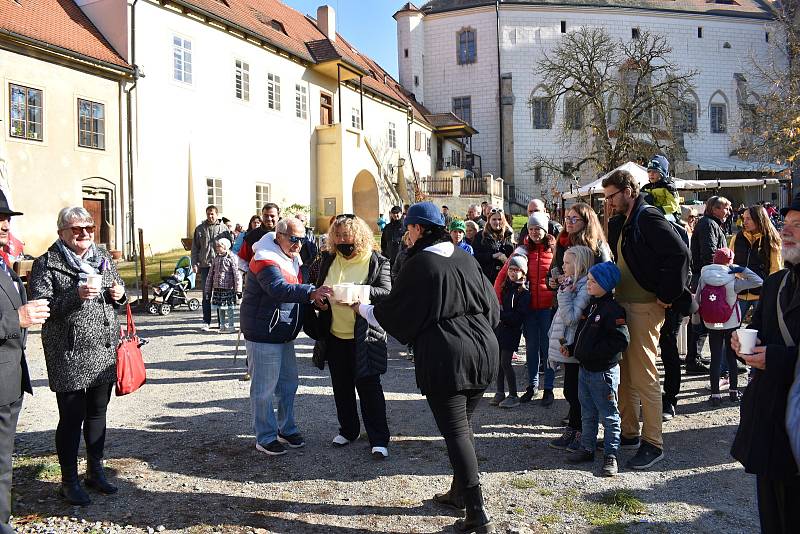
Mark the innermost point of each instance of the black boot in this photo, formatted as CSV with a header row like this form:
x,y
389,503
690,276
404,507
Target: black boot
x,y
452,498
70,488
96,477
476,522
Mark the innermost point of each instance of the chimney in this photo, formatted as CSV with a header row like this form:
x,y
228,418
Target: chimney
x,y
326,21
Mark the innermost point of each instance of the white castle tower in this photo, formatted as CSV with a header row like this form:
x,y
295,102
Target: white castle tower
x,y
410,49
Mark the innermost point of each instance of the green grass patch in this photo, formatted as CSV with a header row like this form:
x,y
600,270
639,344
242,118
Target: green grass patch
x,y
545,492
548,520
156,266
625,501
39,467
519,222
523,483
519,510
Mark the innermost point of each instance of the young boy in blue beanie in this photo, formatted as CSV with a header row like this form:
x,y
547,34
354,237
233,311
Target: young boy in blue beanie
x,y
661,191
601,338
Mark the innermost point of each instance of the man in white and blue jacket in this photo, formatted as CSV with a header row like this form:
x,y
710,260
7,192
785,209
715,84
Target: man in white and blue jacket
x,y
271,318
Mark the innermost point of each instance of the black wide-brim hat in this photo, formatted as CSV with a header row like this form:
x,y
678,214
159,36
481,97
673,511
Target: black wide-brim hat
x,y
4,208
794,206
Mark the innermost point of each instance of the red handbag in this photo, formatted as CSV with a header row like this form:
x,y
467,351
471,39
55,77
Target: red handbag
x,y
131,373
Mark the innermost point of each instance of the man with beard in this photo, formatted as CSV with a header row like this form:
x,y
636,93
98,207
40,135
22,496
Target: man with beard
x,y
762,444
270,215
205,237
654,263
493,245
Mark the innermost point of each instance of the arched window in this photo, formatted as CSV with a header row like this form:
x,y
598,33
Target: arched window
x,y
542,110
466,48
718,113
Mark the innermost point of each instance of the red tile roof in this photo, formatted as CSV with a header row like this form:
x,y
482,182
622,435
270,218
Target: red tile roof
x,y
60,23
255,16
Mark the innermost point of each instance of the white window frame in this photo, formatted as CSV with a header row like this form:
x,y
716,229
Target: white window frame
x,y
241,80
273,91
263,195
182,59
26,118
214,193
301,101
356,118
392,135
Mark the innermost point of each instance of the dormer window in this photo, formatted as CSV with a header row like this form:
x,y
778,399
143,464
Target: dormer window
x,y
277,26
466,51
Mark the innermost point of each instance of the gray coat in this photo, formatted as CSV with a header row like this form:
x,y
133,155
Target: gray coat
x,y
80,337
14,379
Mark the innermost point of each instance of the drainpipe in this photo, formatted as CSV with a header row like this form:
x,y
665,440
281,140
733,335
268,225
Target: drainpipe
x,y
499,89
129,126
409,122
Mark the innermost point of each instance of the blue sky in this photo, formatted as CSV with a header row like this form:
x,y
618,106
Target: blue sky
x,y
366,24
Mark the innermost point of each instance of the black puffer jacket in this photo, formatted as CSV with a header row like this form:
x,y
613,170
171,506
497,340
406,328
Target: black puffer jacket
x,y
486,246
371,350
708,236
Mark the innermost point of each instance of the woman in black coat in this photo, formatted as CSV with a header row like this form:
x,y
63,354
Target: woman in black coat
x,y
355,351
445,306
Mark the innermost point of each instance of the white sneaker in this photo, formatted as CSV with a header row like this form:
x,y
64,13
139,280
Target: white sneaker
x,y
380,453
340,441
206,327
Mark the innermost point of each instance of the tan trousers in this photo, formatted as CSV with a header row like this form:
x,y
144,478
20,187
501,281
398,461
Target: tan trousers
x,y
638,380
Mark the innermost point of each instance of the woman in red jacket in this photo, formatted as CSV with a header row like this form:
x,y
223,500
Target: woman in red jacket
x,y
539,247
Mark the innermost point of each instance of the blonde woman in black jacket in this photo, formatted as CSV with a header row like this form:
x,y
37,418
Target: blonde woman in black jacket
x,y
355,351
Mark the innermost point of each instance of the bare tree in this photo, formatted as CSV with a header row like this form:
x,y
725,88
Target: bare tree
x,y
622,98
771,119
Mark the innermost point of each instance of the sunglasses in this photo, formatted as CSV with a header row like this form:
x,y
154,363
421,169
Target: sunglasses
x,y
345,216
293,238
496,210
78,230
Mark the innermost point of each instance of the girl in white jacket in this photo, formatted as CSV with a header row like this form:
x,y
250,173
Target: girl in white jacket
x,y
573,298
716,294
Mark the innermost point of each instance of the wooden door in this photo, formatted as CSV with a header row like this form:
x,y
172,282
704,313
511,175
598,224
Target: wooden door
x,y
325,108
95,209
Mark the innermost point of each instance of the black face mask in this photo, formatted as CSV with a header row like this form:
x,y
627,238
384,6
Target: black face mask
x,y
346,249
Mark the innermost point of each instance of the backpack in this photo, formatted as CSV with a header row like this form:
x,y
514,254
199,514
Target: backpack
x,y
714,307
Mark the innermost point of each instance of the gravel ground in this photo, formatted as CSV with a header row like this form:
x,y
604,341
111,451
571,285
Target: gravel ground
x,y
182,451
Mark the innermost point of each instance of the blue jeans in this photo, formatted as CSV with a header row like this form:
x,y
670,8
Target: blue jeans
x,y
203,272
597,392
535,328
273,372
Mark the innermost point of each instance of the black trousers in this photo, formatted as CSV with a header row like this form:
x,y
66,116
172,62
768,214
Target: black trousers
x,y
571,371
696,339
506,373
778,505
668,343
341,356
453,415
719,341
87,408
9,414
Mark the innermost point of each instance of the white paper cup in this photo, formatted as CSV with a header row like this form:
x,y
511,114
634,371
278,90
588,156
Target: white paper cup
x,y
747,340
343,293
94,280
363,296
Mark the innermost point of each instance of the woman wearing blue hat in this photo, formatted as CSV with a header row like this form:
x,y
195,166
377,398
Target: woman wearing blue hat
x,y
445,307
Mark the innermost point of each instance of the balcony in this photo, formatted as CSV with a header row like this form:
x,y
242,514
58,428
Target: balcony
x,y
459,188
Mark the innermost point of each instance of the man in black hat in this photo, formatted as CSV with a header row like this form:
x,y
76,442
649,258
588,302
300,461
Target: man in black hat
x,y
762,443
15,317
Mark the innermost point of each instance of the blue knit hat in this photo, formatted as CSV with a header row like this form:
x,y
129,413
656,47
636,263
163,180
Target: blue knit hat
x,y
659,164
606,274
424,213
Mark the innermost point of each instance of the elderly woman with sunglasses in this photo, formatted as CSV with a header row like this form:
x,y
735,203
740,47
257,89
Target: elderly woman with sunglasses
x,y
80,340
355,350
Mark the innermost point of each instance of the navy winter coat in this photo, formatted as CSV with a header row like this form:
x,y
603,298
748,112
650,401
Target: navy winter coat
x,y
513,307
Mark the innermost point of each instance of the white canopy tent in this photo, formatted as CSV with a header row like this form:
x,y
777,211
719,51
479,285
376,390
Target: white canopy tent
x,y
640,173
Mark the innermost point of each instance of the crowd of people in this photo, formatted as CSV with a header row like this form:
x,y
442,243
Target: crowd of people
x,y
598,306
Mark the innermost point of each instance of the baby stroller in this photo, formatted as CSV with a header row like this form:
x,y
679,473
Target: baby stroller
x,y
171,292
